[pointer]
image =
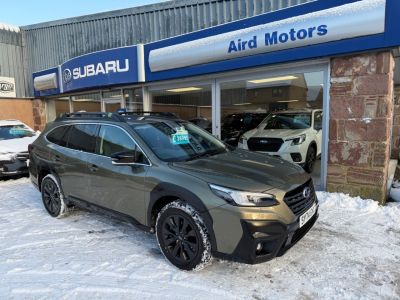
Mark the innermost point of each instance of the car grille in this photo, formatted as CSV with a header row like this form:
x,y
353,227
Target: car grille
x,y
264,144
23,156
297,202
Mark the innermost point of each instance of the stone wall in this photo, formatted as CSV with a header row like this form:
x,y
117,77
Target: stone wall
x,y
39,114
396,123
361,118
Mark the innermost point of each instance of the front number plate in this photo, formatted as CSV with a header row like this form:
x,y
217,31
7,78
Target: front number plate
x,y
304,218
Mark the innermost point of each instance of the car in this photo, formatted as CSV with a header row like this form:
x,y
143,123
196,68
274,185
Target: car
x,y
295,136
234,125
15,137
201,197
202,123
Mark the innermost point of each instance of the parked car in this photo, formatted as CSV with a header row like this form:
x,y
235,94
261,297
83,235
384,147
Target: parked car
x,y
15,137
202,123
295,136
234,125
201,197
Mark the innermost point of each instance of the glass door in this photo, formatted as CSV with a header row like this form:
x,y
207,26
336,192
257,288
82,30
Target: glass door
x,y
111,101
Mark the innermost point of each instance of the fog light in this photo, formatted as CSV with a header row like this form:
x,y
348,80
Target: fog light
x,y
296,157
259,247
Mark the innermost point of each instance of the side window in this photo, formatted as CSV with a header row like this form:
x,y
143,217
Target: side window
x,y
59,136
113,141
318,120
82,137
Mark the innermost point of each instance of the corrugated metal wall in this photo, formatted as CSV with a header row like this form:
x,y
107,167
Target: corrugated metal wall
x,y
49,44
11,59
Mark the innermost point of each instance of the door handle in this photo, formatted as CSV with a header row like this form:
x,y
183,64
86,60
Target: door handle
x,y
57,158
93,168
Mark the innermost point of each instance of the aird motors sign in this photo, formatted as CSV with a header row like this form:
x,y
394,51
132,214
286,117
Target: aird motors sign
x,y
7,87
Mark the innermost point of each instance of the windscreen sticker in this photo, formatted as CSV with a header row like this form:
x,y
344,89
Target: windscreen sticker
x,y
181,137
18,131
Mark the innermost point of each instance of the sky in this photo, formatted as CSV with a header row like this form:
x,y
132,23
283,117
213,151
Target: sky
x,y
27,12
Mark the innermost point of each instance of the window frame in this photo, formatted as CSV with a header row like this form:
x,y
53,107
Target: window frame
x,y
132,139
99,124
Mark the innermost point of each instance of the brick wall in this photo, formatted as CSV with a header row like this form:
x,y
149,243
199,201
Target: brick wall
x,y
361,118
19,109
396,123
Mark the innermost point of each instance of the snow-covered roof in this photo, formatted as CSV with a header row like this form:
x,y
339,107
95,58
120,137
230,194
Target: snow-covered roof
x,y
10,122
8,27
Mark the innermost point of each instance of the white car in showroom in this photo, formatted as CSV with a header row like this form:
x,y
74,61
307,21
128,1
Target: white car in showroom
x,y
15,137
295,136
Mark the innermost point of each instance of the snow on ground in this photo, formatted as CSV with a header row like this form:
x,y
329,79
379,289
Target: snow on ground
x,y
352,252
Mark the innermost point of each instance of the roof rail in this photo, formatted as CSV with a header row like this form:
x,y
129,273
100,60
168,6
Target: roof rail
x,y
90,116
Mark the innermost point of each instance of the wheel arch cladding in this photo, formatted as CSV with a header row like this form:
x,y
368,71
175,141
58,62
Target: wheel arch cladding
x,y
164,193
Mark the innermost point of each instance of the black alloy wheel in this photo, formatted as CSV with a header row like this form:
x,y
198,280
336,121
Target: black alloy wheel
x,y
310,159
183,237
52,197
180,238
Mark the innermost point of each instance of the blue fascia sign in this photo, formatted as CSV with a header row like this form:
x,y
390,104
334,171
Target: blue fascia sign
x,y
311,30
100,69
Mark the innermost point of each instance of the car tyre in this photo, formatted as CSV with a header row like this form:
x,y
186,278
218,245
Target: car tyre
x,y
53,197
310,159
183,237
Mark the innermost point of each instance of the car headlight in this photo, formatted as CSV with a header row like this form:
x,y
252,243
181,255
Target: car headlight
x,y
7,156
298,140
243,198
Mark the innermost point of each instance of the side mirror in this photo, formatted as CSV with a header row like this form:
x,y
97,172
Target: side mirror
x,y
123,158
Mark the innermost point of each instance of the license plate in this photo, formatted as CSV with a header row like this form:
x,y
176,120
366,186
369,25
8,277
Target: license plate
x,y
304,218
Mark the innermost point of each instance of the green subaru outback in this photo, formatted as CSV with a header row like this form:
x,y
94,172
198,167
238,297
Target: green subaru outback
x,y
201,197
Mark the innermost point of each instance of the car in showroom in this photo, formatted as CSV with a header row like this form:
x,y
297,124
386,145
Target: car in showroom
x,y
295,136
201,197
15,137
234,125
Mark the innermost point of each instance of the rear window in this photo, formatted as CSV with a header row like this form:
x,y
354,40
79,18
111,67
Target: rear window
x,y
59,136
9,132
82,137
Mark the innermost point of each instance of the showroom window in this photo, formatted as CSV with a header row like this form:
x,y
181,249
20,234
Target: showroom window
x,y
111,100
87,102
133,99
277,114
190,102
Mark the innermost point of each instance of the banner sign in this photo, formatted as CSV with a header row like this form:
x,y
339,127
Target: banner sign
x,y
361,18
7,87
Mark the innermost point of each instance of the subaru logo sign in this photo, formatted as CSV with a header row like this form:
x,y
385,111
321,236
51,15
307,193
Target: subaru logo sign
x,y
67,75
307,192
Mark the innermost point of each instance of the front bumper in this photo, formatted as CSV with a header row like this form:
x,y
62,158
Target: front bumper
x,y
10,168
292,153
274,236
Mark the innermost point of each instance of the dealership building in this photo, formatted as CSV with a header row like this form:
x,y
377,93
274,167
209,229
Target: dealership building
x,y
210,60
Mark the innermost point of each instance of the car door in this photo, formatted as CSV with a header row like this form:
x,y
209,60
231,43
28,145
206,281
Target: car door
x,y
318,128
118,186
69,159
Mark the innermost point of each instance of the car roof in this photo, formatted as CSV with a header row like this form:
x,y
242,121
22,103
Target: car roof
x,y
296,111
10,122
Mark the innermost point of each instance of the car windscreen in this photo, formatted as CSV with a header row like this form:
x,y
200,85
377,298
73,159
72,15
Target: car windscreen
x,y
174,141
9,132
287,121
